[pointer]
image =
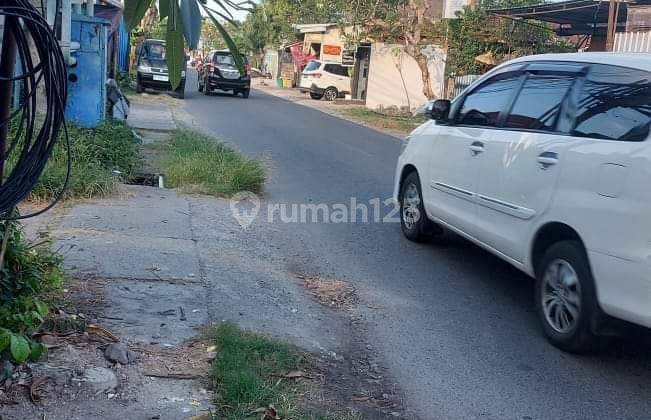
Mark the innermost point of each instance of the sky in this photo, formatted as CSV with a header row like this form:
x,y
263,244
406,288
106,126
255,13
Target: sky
x,y
237,14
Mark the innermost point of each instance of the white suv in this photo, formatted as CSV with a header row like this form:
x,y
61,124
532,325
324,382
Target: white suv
x,y
546,162
325,80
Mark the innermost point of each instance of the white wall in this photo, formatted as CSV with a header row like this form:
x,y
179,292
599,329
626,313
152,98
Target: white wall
x,y
385,84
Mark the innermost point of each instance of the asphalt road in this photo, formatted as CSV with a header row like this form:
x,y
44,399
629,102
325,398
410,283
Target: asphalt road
x,y
454,325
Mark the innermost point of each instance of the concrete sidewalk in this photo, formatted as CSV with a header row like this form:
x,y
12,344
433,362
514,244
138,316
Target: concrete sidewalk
x,y
165,265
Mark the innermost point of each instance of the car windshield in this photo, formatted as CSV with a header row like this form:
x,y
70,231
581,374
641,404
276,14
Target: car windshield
x,y
312,65
226,59
154,51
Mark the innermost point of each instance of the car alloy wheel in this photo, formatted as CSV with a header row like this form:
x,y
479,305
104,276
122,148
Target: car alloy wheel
x,y
411,206
330,94
561,296
566,298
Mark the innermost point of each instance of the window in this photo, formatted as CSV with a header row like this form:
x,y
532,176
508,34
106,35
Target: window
x,y
154,51
483,106
538,105
614,104
226,59
336,69
312,65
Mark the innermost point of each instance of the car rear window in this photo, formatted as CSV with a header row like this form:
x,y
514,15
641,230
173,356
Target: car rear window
x,y
312,65
614,104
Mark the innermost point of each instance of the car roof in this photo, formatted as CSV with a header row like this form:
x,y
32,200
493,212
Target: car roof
x,y
641,61
155,41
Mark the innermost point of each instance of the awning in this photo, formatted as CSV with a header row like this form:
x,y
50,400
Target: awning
x,y
574,17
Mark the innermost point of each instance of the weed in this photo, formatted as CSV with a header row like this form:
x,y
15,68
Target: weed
x,y
197,163
247,374
246,370
26,272
101,157
378,120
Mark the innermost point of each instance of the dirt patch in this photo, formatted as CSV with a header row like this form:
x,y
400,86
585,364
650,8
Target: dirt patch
x,y
355,378
77,381
329,292
189,361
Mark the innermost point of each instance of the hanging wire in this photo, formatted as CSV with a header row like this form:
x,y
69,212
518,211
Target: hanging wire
x,y
36,124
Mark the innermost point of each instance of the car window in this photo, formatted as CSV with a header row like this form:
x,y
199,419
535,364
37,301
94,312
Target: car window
x,y
312,65
614,104
226,59
539,103
336,69
482,107
154,51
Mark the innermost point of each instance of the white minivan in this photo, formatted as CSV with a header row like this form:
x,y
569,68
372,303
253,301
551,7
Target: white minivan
x,y
546,162
322,79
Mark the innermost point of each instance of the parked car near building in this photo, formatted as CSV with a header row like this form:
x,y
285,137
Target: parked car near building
x,y
152,68
219,71
546,162
325,80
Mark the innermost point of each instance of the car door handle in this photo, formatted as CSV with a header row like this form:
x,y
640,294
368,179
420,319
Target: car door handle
x,y
476,148
547,159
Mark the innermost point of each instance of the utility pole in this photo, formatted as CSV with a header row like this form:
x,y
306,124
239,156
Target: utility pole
x,y
612,25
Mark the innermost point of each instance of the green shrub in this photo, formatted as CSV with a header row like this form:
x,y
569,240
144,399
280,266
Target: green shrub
x,y
26,272
96,155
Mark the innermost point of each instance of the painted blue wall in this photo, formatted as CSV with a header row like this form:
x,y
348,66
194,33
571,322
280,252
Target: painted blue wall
x,y
86,81
123,47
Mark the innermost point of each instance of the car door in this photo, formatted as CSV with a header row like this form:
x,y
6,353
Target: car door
x,y
456,152
522,159
337,78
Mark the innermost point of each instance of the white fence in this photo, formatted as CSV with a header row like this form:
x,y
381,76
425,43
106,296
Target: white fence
x,y
633,42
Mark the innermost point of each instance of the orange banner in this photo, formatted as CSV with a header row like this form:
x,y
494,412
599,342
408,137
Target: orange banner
x,y
331,50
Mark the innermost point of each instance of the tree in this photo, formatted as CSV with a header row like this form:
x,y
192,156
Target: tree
x,y
475,32
256,33
184,25
213,40
282,14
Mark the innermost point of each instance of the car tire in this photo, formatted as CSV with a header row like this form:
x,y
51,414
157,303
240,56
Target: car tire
x,y
331,93
316,96
413,220
566,298
245,93
139,88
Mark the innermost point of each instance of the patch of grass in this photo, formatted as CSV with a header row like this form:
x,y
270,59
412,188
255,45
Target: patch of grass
x,y
96,154
196,163
375,119
246,370
246,375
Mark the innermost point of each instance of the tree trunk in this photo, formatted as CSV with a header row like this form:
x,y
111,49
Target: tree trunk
x,y
146,25
421,59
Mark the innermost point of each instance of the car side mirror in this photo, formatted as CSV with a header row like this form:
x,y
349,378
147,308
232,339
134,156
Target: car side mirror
x,y
440,110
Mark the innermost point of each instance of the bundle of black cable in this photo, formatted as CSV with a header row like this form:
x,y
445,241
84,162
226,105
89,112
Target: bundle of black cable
x,y
28,39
